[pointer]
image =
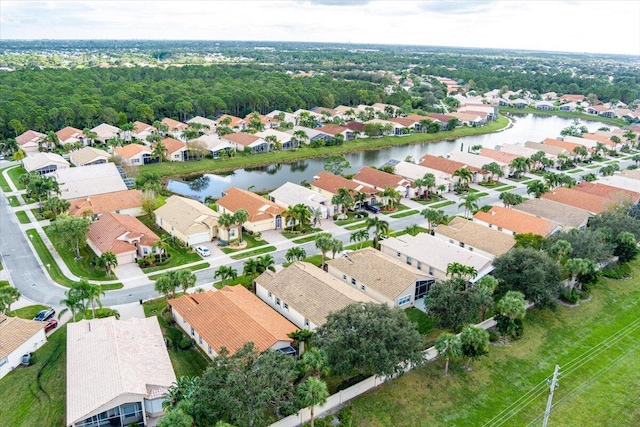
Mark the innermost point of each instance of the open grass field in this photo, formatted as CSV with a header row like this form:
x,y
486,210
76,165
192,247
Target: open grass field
x,y
597,346
242,160
35,395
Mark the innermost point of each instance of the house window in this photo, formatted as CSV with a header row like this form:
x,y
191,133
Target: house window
x,y
431,270
353,281
398,254
184,320
144,251
461,244
409,260
363,288
306,323
490,225
209,349
404,300
419,265
285,306
344,277
193,333
451,241
4,361
278,301
499,228
200,340
270,295
470,249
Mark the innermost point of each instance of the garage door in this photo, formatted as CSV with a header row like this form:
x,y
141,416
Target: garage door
x,y
194,239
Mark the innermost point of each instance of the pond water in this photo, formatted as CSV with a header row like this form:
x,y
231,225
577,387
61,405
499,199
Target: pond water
x,y
525,128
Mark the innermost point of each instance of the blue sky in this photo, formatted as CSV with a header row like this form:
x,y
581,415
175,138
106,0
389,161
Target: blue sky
x,y
573,26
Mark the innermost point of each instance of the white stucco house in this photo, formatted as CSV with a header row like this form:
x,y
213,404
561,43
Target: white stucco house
x,y
17,338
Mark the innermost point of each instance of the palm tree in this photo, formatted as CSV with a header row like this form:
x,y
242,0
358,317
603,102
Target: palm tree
x,y
240,217
159,151
180,390
392,197
295,254
336,247
510,308
94,292
359,237
448,346
8,295
300,136
434,217
429,181
360,199
510,199
250,268
72,303
629,136
464,178
224,273
9,146
475,343
185,279
315,362
110,261
560,251
519,166
165,285
324,245
344,200
301,336
312,392
470,203
226,221
574,267
381,228
163,245
316,216
127,128
266,262
303,215
537,188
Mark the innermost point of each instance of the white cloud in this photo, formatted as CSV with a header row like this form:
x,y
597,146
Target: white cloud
x,y
557,25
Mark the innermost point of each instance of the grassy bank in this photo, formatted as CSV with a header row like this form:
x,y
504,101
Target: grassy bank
x,y
242,160
80,267
568,114
595,344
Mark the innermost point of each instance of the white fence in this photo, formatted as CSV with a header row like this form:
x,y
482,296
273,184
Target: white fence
x,y
343,396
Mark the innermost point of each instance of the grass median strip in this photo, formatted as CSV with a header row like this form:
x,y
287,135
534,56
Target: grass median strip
x,y
259,251
22,217
404,214
305,239
443,204
507,188
196,267
14,174
13,201
356,226
4,185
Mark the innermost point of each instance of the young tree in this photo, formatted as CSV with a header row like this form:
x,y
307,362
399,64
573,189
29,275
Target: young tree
x,y
311,392
94,292
110,261
448,346
537,188
163,245
336,164
475,343
159,151
8,295
510,199
225,273
166,285
72,302
265,262
324,244
511,310
70,232
359,237
519,165
240,217
485,288
244,389
184,278
296,253
434,218
336,247
250,268
380,229
494,170
371,339
470,203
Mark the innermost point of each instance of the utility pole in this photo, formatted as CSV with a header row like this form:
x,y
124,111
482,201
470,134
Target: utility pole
x,y
553,384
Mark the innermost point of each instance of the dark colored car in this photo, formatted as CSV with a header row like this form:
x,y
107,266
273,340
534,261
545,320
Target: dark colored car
x,y
372,208
51,324
45,315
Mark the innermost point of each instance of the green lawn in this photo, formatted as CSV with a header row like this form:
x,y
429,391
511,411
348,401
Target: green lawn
x,y
305,239
403,214
507,188
295,234
14,173
348,221
425,323
28,312
595,344
13,201
35,395
242,160
243,280
179,256
252,242
196,267
397,209
22,217
259,251
403,232
356,226
443,204
81,267
3,182
427,201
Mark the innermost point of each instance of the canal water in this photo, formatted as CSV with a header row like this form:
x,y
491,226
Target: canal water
x,y
525,128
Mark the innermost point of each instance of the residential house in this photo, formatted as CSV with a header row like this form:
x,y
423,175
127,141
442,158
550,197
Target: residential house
x,y
545,106
470,118
478,161
142,130
88,156
290,194
230,318
29,141
570,106
517,149
118,372
627,173
380,181
175,127
106,132
76,183
127,202
235,123
123,235
627,179
450,166
473,108
567,216
335,130
325,112
499,156
313,135
386,108
569,146
209,125
217,146
286,141
443,120
242,141
357,128
282,116
474,237
572,98
176,150
190,221
306,294
70,135
412,171
589,144
329,185
592,203
600,110
549,96
134,154
514,222
551,150
605,139
263,213
17,338
268,122
520,103
396,128
44,163
382,277
433,255
616,193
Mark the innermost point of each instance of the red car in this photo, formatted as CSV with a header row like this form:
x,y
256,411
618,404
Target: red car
x,y
51,324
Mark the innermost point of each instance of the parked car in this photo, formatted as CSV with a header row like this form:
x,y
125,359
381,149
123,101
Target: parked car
x,y
51,324
45,315
372,208
203,251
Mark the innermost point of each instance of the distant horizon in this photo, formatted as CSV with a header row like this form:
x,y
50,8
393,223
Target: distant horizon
x,y
551,26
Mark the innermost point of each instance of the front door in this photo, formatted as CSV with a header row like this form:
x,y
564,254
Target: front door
x,y
278,222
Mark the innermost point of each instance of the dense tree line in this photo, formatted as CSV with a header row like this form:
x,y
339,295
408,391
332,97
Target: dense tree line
x,y
51,99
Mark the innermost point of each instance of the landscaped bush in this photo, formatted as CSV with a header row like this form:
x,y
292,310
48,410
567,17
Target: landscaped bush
x,y
572,296
617,271
361,214
494,336
184,344
345,415
143,263
322,422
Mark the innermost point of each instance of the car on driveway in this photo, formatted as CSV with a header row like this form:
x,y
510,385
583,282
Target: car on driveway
x,y
51,324
45,315
203,251
372,208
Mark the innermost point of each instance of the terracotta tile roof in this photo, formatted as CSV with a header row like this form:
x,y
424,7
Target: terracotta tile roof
x,y
355,126
444,118
14,331
173,145
404,121
188,216
69,132
333,129
29,136
131,150
384,274
258,207
332,183
600,138
265,120
444,165
109,359
241,138
102,203
608,191
174,124
319,110
111,232
568,216
141,127
379,179
478,236
574,98
232,317
517,221
311,291
235,121
418,118
589,202
569,146
500,156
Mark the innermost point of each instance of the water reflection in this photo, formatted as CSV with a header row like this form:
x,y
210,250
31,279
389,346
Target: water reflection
x,y
200,183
